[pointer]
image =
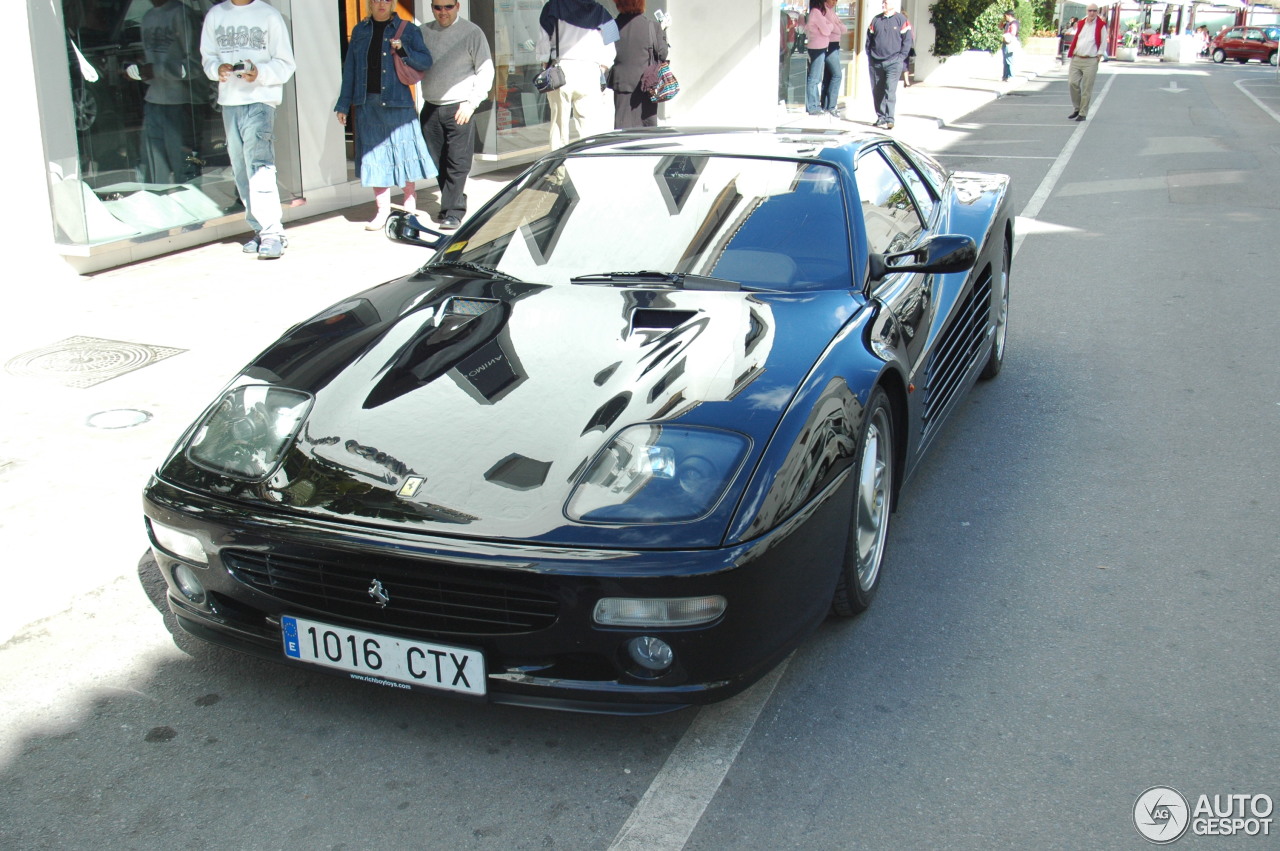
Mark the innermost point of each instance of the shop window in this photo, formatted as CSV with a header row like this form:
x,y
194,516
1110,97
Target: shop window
x,y
793,50
515,119
151,154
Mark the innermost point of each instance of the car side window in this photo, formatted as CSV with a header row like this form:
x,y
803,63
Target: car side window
x,y
1254,35
919,188
1234,34
892,220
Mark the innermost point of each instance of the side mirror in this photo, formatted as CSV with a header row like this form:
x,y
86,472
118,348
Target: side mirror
x,y
405,227
937,255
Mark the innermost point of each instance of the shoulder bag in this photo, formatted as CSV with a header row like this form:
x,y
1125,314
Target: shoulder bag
x,y
552,77
658,79
407,75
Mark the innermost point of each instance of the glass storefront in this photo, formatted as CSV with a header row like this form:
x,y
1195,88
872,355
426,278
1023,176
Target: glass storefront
x,y
515,119
151,154
793,57
793,52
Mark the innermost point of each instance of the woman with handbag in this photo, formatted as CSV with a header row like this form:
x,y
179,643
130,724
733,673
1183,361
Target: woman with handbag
x,y
385,55
641,44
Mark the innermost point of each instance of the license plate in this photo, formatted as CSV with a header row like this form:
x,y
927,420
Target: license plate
x,y
382,659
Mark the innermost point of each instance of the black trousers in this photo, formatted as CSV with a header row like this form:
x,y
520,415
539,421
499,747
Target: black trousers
x,y
451,145
884,86
634,109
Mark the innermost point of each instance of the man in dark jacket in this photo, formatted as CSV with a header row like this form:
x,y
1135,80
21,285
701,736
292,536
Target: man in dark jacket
x,y
889,40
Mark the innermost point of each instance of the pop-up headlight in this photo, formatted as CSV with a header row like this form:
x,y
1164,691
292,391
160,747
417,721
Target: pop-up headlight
x,y
245,435
658,474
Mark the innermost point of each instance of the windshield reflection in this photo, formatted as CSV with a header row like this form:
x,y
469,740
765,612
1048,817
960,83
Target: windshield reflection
x,y
762,223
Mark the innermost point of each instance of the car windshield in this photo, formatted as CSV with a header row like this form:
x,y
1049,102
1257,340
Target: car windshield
x,y
663,220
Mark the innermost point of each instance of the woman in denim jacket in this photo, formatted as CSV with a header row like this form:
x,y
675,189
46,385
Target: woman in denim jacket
x,y
390,150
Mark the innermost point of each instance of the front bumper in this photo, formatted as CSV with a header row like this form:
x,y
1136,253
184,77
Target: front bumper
x,y
528,608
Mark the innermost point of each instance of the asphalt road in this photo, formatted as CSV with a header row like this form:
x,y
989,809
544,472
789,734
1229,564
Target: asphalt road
x,y
1079,600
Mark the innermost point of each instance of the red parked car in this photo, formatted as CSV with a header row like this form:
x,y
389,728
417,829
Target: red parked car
x,y
1245,43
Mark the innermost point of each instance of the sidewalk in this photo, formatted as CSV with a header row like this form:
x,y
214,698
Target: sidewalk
x,y
174,329
963,84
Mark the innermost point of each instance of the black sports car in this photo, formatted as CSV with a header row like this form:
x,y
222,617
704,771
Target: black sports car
x,y
629,435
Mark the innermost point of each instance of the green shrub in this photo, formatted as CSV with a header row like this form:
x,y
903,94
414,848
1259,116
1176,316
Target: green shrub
x,y
961,25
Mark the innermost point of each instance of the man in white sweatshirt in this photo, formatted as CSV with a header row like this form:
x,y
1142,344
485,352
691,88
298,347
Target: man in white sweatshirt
x,y
245,47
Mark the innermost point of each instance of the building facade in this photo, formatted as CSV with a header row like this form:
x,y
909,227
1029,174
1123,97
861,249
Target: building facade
x,y
132,163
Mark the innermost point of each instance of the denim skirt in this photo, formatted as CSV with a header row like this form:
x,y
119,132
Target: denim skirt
x,y
390,150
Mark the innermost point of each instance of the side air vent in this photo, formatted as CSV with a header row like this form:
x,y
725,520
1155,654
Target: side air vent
x,y
955,353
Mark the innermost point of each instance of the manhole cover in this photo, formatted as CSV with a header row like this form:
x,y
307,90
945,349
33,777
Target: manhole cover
x,y
86,361
118,418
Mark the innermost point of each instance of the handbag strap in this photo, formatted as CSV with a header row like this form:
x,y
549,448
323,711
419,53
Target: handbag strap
x,y
400,31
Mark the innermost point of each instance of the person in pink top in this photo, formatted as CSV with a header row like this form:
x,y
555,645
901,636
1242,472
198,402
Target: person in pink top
x,y
823,29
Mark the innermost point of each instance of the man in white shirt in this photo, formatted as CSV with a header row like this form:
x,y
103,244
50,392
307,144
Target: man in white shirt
x,y
1087,49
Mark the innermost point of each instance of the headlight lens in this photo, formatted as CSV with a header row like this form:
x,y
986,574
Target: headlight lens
x,y
246,433
658,474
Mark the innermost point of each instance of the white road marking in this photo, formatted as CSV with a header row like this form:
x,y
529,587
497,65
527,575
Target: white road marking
x,y
1251,96
679,794
1046,187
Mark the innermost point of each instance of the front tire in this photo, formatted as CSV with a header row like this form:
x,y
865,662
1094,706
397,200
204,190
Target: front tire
x,y
1219,55
872,507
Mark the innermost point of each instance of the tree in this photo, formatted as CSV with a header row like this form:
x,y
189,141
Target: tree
x,y
961,25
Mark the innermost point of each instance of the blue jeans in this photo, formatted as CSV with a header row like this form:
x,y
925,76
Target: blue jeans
x,y
251,146
1008,62
824,66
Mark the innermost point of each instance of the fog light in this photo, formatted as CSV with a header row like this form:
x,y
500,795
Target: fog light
x,y
180,544
185,578
658,611
652,654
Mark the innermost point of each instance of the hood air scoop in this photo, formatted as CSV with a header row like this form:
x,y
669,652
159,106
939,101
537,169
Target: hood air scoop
x,y
459,311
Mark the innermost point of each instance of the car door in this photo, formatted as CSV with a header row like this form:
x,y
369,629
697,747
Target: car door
x,y
894,222
1232,42
1253,46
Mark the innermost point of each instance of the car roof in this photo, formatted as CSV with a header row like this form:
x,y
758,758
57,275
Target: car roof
x,y
783,142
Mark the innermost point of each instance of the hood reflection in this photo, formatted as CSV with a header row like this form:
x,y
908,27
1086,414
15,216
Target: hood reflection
x,y
538,381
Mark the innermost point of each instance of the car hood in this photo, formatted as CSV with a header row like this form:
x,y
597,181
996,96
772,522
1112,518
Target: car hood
x,y
497,394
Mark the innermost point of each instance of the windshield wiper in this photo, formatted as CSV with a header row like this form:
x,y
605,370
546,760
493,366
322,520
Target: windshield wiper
x,y
680,280
478,267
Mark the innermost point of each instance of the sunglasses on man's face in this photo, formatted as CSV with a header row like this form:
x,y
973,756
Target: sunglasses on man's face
x,y
443,8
